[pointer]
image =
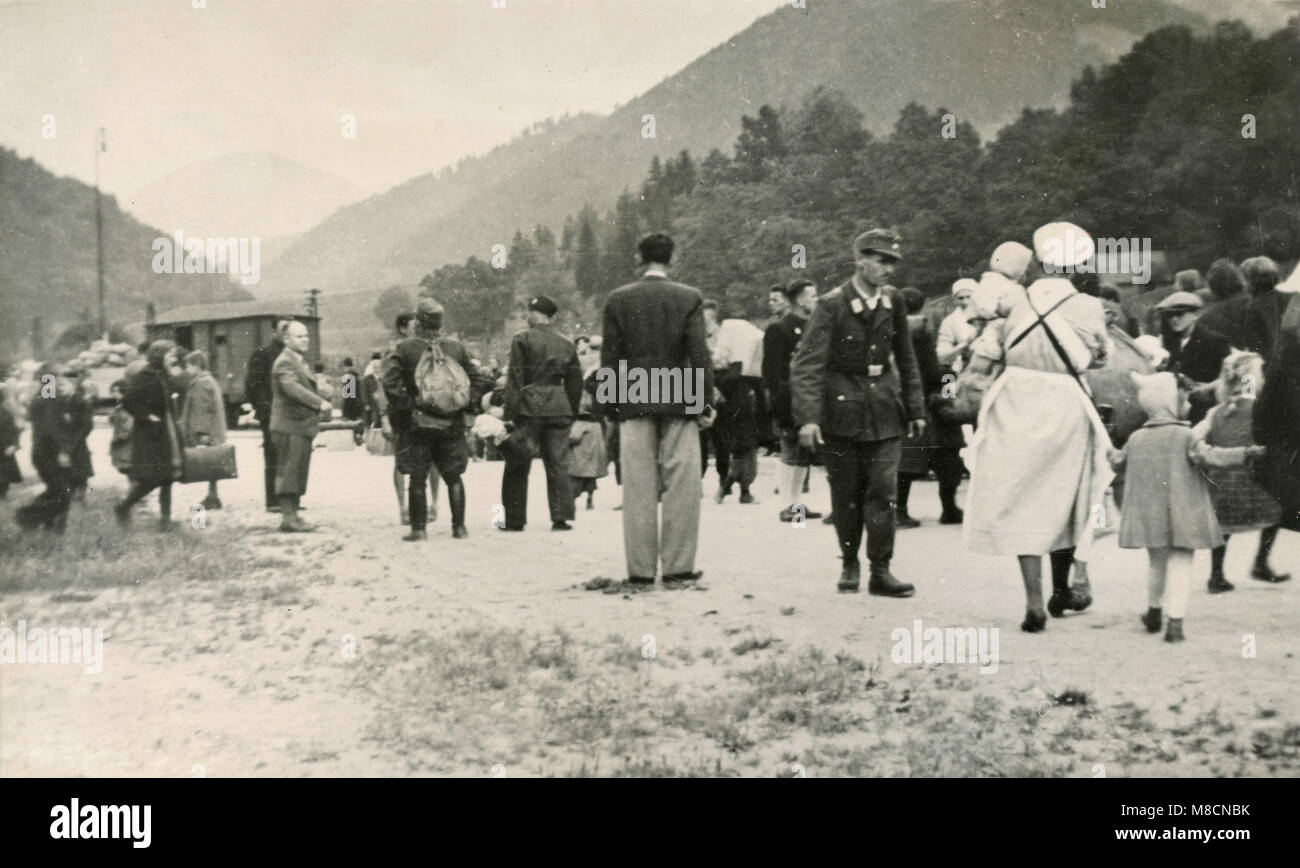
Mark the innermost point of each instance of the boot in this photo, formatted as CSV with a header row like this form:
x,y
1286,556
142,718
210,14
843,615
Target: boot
x,y
1174,630
459,531
1151,620
746,497
1264,573
850,578
903,521
1219,583
883,583
417,534
952,516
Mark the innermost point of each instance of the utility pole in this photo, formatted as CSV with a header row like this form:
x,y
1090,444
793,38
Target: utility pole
x,y
313,307
101,145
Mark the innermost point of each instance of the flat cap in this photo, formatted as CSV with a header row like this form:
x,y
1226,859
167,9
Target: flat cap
x,y
1180,302
542,304
881,241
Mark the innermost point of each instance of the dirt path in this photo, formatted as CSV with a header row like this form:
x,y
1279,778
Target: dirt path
x,y
278,672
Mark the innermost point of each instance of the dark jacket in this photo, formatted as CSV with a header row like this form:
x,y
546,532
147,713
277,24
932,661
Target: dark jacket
x,y
779,342
1202,358
9,434
656,324
1274,424
1226,318
1261,322
830,376
59,428
354,406
257,383
295,401
155,445
397,376
544,379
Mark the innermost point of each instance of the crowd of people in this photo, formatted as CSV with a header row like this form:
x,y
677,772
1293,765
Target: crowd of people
x,y
862,380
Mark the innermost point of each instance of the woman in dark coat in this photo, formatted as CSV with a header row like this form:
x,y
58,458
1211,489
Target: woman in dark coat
x,y
1276,422
155,439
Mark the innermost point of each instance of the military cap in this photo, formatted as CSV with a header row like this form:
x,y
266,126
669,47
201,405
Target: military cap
x,y
881,241
542,304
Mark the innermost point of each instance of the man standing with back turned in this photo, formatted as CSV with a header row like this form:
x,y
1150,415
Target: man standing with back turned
x,y
854,376
543,391
657,325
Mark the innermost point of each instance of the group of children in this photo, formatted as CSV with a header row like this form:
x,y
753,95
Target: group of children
x,y
1191,487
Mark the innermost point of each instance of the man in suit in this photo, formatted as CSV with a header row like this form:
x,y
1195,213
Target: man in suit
x,y
257,389
779,342
427,438
543,391
657,325
1194,352
295,420
855,378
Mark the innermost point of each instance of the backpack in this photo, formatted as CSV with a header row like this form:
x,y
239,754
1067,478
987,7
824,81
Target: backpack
x,y
442,382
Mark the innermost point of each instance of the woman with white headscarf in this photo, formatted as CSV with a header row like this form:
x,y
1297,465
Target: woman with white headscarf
x,y
1038,462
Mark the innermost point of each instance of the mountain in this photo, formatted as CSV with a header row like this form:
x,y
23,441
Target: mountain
x,y
248,194
984,60
48,253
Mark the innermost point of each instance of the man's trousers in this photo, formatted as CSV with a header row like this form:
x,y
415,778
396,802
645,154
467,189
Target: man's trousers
x,y
864,484
552,441
661,463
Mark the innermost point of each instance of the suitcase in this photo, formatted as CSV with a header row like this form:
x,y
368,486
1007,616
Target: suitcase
x,y
209,463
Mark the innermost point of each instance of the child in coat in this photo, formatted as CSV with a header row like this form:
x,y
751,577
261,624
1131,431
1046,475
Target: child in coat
x,y
588,460
1167,508
1226,450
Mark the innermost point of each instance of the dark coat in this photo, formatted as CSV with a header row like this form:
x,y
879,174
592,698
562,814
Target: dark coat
x,y
830,375
779,343
354,406
1202,358
545,378
155,445
257,383
295,402
1261,322
1226,318
1276,422
656,324
397,377
59,428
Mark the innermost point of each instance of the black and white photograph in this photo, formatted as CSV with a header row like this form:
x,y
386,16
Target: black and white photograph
x,y
501,389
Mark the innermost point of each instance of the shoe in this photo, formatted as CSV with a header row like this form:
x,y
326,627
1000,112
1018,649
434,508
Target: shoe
x,y
850,579
416,535
210,503
1264,573
273,507
746,497
508,529
683,577
1075,599
1218,584
721,495
1035,621
883,584
295,525
787,514
123,514
829,519
640,580
903,521
459,531
590,505
1174,630
955,516
1151,620
561,525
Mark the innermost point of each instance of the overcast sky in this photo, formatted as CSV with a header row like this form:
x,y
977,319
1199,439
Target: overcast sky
x,y
429,81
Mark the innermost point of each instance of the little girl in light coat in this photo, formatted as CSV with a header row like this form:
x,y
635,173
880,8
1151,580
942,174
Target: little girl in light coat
x,y
1167,508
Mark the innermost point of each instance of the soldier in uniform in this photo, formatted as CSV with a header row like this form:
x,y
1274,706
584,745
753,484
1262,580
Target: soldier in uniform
x,y
855,392
543,393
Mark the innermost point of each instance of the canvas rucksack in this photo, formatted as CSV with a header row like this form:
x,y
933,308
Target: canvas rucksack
x,y
442,382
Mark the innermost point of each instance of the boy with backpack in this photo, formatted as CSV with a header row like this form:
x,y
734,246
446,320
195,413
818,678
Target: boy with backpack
x,y
428,388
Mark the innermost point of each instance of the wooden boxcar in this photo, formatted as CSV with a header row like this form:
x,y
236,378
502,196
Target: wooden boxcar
x,y
229,333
